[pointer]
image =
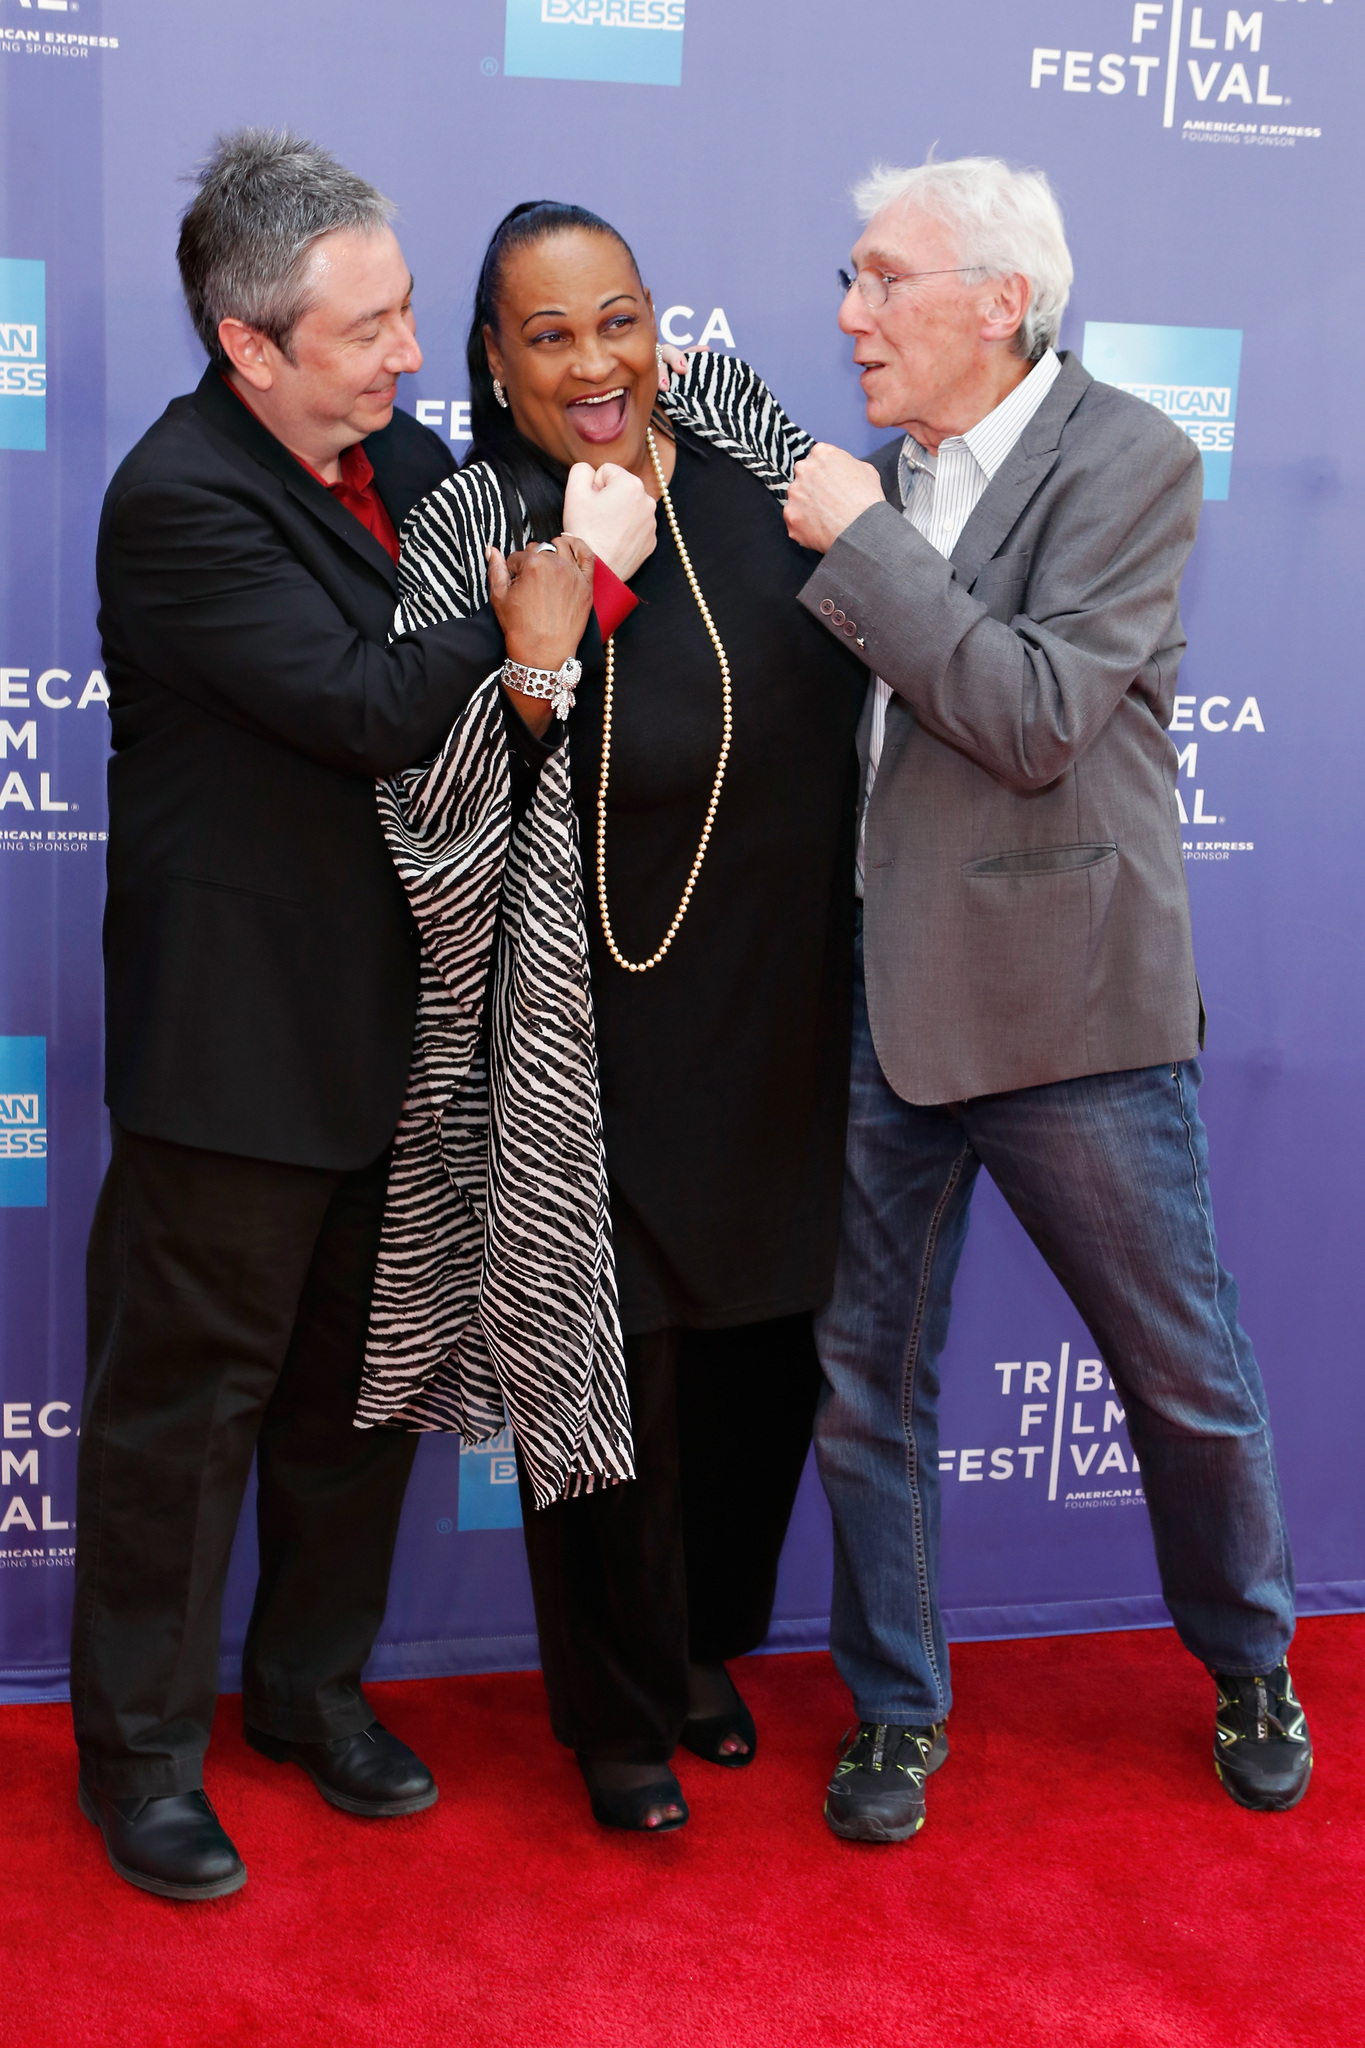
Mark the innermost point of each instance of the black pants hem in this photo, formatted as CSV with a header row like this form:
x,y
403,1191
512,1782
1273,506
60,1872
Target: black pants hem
x,y
634,1582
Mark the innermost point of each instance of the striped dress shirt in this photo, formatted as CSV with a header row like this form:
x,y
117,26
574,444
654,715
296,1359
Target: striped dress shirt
x,y
940,493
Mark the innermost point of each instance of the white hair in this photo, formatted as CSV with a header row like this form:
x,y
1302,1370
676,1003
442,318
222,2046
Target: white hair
x,y
1003,221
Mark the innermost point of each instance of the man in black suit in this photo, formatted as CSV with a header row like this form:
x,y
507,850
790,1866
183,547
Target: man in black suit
x,y
261,975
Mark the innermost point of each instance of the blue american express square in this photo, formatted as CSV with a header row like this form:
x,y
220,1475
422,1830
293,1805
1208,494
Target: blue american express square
x,y
1189,373
23,1123
622,42
23,353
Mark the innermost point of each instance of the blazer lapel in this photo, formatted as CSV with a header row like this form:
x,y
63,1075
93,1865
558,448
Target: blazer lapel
x,y
862,739
886,462
1014,483
225,411
1034,454
900,723
344,524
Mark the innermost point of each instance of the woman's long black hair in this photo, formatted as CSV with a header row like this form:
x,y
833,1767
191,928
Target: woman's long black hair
x,y
516,462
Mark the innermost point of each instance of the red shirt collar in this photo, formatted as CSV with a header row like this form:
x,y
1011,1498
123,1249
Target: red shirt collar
x,y
357,471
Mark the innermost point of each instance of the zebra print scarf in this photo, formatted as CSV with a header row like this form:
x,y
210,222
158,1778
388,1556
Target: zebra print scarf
x,y
495,1292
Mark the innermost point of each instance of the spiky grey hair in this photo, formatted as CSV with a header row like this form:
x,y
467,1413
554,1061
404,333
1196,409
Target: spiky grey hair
x,y
265,197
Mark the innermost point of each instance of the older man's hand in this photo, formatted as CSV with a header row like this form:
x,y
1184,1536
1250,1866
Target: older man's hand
x,y
828,492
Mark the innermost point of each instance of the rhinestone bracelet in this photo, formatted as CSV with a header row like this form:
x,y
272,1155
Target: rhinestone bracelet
x,y
556,684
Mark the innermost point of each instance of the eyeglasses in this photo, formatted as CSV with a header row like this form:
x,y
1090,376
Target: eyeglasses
x,y
876,286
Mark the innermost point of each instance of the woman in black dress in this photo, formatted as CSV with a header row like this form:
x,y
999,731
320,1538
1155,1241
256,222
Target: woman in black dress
x,y
722,1033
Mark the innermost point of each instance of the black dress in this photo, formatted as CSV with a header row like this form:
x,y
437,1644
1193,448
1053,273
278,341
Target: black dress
x,y
724,1070
724,1076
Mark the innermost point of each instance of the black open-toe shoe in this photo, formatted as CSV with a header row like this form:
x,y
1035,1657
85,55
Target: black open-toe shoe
x,y
703,1734
617,1806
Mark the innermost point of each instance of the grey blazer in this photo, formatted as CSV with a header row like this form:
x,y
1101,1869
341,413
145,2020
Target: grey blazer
x,y
1026,916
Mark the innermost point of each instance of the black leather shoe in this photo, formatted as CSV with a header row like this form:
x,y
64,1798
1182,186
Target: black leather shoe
x,y
370,1773
173,1845
877,1791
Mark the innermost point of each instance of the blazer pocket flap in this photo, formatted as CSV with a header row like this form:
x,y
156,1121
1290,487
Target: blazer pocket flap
x,y
218,888
1003,572
1041,860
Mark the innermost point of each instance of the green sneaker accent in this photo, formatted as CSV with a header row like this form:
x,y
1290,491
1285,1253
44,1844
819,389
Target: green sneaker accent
x,y
877,1791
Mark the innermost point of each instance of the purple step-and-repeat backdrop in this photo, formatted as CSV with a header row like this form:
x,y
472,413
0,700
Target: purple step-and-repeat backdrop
x,y
1204,159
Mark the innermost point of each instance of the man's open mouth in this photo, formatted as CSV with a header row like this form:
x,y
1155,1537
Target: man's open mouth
x,y
600,416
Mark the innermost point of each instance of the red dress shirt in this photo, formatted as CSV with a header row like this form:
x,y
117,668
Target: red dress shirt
x,y
357,493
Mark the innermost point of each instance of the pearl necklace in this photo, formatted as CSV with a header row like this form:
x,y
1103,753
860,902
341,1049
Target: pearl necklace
x,y
643,966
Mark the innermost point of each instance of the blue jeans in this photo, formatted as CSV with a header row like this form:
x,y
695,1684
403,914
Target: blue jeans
x,y
1109,1176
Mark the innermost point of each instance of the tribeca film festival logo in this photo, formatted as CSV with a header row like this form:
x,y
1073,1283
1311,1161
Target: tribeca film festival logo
x,y
33,1427
32,41
23,353
23,1123
1215,715
619,42
28,799
1166,64
1071,1439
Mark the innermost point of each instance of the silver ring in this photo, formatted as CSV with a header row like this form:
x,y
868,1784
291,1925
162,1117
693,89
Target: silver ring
x,y
546,547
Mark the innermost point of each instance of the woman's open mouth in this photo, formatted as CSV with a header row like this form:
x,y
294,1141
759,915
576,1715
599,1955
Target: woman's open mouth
x,y
601,416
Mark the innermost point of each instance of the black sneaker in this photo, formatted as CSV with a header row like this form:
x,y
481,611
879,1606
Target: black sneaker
x,y
1261,1746
877,1791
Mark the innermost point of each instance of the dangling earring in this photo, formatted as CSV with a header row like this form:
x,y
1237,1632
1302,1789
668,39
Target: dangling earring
x,y
499,394
658,355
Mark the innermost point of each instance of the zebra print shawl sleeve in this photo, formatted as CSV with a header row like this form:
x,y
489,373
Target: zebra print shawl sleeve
x,y
726,402
495,1290
443,566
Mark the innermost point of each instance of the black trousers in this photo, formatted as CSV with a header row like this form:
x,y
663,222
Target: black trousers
x,y
228,1301
681,1563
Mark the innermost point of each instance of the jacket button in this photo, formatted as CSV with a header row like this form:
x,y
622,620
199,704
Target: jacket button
x,y
827,606
838,618
850,627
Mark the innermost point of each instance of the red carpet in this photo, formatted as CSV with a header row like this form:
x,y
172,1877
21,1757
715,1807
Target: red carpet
x,y
1083,1881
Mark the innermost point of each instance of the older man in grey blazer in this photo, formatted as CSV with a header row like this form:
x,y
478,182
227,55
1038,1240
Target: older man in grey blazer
x,y
1009,569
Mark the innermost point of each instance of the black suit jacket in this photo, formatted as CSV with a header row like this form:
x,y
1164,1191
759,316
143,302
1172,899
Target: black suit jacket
x,y
260,956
